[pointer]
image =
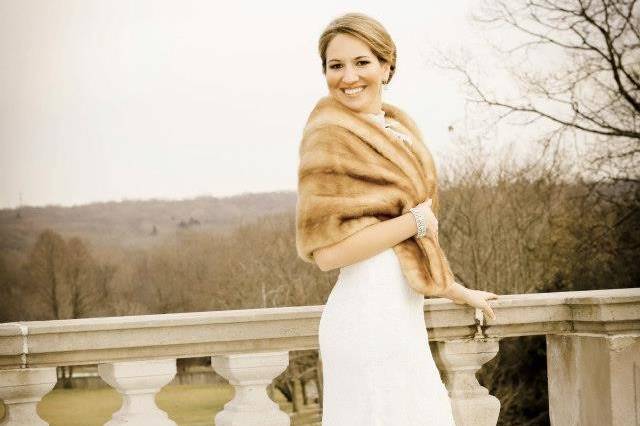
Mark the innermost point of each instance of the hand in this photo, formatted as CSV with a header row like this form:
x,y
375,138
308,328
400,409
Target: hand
x,y
430,218
461,295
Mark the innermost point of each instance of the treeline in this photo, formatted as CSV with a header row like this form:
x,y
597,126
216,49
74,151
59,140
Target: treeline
x,y
137,223
513,236
254,266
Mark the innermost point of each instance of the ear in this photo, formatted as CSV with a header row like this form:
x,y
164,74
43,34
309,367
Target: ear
x,y
386,67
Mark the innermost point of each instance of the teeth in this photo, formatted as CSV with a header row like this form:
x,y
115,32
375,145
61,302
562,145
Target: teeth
x,y
353,91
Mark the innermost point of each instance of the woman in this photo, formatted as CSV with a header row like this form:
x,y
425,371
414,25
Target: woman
x,y
366,189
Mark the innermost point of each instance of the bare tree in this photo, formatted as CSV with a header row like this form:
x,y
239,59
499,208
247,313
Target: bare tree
x,y
499,221
595,93
63,279
45,269
80,274
11,290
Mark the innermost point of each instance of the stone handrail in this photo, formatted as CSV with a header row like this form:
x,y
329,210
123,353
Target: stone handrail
x,y
250,348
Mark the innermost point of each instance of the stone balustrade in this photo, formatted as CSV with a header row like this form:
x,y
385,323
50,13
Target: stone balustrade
x,y
593,352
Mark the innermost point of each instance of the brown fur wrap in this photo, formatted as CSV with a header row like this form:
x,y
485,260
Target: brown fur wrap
x,y
353,174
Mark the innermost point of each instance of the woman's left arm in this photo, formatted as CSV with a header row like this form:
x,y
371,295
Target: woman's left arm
x,y
476,298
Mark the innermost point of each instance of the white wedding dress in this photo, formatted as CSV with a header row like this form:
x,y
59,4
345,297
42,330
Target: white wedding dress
x,y
377,365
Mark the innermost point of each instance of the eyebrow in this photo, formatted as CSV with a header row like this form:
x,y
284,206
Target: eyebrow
x,y
337,60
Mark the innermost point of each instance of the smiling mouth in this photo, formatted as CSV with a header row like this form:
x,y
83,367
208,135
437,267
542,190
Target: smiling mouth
x,y
352,92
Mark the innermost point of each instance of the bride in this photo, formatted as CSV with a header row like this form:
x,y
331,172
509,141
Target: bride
x,y
366,200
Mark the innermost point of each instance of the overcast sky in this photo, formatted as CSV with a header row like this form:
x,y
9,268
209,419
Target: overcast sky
x,y
112,100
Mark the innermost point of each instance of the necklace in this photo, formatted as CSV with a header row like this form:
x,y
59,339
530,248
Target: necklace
x,y
380,120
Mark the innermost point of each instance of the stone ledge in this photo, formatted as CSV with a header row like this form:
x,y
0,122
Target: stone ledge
x,y
591,311
194,334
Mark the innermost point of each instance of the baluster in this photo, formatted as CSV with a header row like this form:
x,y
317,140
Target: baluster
x,y
21,390
459,360
250,374
139,382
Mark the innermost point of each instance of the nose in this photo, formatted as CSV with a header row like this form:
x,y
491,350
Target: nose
x,y
350,75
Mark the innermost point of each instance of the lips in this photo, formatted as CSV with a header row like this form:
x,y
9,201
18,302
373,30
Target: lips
x,y
353,91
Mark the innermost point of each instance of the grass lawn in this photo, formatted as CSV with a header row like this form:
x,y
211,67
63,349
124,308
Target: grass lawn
x,y
189,405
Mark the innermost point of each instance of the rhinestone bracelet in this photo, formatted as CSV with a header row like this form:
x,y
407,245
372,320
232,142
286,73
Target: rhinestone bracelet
x,y
421,222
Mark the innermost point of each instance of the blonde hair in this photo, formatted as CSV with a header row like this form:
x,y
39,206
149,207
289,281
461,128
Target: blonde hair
x,y
367,30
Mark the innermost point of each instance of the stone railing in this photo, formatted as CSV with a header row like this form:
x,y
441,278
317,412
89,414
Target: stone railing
x,y
593,352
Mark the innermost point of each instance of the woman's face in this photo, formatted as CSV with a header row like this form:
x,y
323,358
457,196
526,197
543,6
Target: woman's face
x,y
352,65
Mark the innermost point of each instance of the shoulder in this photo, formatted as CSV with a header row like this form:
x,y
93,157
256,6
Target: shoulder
x,y
330,115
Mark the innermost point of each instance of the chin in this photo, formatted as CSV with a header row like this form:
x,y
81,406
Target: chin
x,y
357,105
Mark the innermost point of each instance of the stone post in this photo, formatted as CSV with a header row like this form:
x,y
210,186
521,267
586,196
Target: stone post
x,y
21,390
459,360
250,374
139,382
594,379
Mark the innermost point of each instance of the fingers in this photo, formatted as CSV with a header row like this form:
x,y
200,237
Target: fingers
x,y
485,306
487,294
489,312
477,299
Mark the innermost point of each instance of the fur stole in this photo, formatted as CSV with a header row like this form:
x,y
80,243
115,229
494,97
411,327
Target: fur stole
x,y
352,174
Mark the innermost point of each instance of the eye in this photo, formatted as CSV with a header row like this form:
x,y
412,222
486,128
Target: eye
x,y
364,62
334,66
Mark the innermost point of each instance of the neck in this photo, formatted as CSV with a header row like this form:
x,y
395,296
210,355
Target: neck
x,y
374,109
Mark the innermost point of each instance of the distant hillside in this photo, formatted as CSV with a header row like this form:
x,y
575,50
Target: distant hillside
x,y
138,222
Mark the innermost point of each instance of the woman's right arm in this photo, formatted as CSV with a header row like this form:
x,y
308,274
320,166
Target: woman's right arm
x,y
372,240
